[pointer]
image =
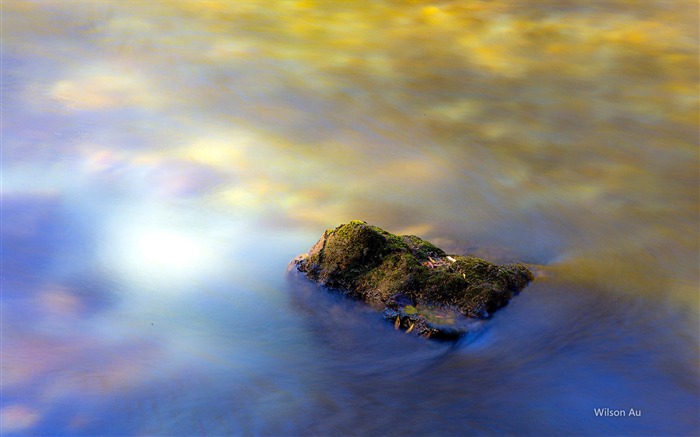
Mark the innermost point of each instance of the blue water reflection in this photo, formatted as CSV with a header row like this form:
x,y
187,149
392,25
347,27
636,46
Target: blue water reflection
x,y
248,349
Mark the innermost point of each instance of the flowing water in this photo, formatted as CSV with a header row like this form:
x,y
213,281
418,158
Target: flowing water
x,y
164,161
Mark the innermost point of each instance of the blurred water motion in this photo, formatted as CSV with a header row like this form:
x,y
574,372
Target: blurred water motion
x,y
163,161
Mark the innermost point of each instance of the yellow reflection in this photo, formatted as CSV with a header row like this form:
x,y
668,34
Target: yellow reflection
x,y
244,196
229,152
527,107
421,229
100,87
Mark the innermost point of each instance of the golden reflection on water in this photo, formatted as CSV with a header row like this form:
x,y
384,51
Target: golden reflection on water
x,y
432,116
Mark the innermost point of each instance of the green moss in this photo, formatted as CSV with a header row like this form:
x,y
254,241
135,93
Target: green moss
x,y
406,272
410,309
421,249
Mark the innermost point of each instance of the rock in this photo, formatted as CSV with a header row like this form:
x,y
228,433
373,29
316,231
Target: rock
x,y
418,286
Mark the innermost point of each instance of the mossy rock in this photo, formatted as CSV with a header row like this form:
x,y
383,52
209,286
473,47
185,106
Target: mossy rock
x,y
420,287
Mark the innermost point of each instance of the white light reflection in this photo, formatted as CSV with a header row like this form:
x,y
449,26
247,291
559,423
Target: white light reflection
x,y
158,248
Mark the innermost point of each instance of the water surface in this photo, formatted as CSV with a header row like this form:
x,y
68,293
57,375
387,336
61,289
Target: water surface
x,y
163,161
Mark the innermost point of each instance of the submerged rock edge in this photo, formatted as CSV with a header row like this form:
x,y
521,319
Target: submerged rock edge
x,y
422,289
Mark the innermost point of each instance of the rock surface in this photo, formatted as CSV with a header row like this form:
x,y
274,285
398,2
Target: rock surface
x,y
419,287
